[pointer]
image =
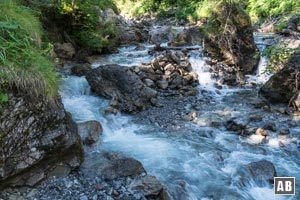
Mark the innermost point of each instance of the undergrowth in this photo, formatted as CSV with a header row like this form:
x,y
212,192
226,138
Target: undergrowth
x,y
262,9
24,68
279,55
79,19
181,9
281,11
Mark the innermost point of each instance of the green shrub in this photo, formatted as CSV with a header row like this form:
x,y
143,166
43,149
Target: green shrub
x,y
278,56
23,67
262,9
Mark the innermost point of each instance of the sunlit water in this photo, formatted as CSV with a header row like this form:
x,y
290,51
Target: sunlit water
x,y
202,164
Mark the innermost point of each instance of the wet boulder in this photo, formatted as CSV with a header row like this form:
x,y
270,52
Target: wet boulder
x,y
38,139
122,85
281,87
236,125
150,187
261,171
81,69
90,131
111,165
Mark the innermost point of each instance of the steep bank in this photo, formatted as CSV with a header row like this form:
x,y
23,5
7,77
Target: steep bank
x,y
38,138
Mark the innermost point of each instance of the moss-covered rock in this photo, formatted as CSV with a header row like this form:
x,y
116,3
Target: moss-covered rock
x,y
283,85
229,37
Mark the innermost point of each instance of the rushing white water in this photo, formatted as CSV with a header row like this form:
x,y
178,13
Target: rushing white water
x,y
201,68
203,164
262,75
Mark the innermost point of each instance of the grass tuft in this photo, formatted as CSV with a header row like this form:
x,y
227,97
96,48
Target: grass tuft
x,y
24,68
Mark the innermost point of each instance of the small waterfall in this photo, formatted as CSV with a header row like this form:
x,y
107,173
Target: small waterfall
x,y
261,75
201,68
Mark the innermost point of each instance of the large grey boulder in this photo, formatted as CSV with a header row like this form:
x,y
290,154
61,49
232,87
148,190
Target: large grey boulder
x,y
38,139
111,165
122,85
261,172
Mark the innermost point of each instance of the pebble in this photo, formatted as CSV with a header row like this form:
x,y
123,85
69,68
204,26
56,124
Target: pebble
x,y
115,193
85,189
109,198
95,197
84,197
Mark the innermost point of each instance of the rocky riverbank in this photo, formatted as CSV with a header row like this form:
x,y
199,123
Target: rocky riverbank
x,y
164,95
104,176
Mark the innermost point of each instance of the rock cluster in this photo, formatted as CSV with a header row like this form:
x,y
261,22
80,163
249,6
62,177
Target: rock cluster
x,y
226,74
134,89
170,70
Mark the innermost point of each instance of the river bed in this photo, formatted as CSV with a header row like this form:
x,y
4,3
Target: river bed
x,y
199,161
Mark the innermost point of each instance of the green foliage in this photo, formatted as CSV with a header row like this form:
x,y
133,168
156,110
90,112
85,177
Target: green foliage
x,y
262,9
223,19
195,9
23,67
79,19
182,9
278,55
3,96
